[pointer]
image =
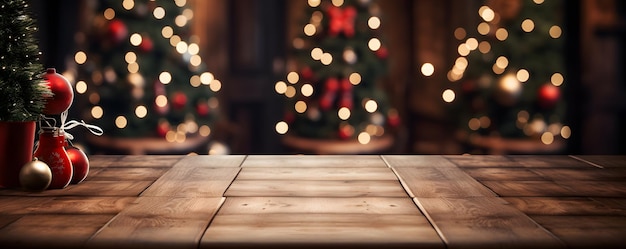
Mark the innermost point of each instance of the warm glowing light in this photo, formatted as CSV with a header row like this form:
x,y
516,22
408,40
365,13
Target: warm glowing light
x,y
206,78
293,77
374,44
522,75
109,14
459,33
555,31
371,106
547,138
160,101
484,47
128,4
280,87
94,98
193,48
538,1
181,47
485,122
448,95
556,79
215,85
80,57
130,57
141,111
337,3
121,122
298,43
290,92
463,49
180,20
344,113
474,124
165,77
373,22
81,87
326,59
364,138
509,83
195,81
566,132
158,12
502,34
195,60
483,28
204,130
355,78
314,3
502,62
427,69
282,127
133,67
174,40
309,29
461,63
316,53
167,32
471,43
300,106
528,25
135,39
188,13
307,90
180,3
486,13
97,112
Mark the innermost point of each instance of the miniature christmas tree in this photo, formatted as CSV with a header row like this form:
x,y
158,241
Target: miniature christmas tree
x,y
140,72
509,76
331,88
21,84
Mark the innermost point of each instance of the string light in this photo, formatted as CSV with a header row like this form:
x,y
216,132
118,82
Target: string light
x,y
109,14
460,33
555,31
373,22
158,12
165,77
121,122
81,87
502,34
364,138
280,87
80,57
215,85
326,59
448,95
307,90
206,78
343,113
427,69
483,28
300,106
282,127
374,44
167,32
355,78
141,111
97,112
556,79
309,29
314,3
293,77
128,4
528,25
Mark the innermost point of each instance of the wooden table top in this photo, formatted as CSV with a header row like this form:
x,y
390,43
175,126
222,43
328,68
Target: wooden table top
x,y
365,201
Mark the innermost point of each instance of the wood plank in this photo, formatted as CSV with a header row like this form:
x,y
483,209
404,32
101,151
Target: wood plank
x,y
16,205
102,161
503,174
357,161
166,161
305,188
300,222
528,188
183,181
89,188
596,188
417,161
586,231
138,174
482,161
551,161
582,174
484,222
211,161
322,173
440,182
612,161
79,205
158,222
562,206
51,231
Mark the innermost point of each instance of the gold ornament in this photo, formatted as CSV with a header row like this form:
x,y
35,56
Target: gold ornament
x,y
35,175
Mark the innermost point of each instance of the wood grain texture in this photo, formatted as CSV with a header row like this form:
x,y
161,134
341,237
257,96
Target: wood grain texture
x,y
345,161
211,161
562,206
158,222
484,222
614,161
528,188
305,188
80,205
166,161
440,182
586,231
482,161
310,173
288,222
551,161
582,174
503,174
137,174
420,161
184,181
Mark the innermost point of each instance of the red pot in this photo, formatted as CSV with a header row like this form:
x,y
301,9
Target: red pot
x,y
16,149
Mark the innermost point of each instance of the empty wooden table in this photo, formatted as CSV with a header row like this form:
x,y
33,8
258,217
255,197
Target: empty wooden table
x,y
306,201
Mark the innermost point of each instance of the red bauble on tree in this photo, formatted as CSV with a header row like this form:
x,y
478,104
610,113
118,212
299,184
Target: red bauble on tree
x,y
548,95
163,128
345,131
306,73
117,31
62,93
80,164
146,44
382,52
202,108
179,100
341,20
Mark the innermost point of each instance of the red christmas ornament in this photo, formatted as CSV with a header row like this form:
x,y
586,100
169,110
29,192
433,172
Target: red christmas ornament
x,y
326,101
393,119
341,20
346,101
146,44
332,85
117,30
179,100
80,164
51,150
346,86
548,95
163,128
345,132
62,93
202,108
306,73
382,52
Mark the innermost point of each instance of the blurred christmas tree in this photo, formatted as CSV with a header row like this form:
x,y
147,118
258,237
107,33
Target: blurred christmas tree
x,y
332,87
139,69
509,77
